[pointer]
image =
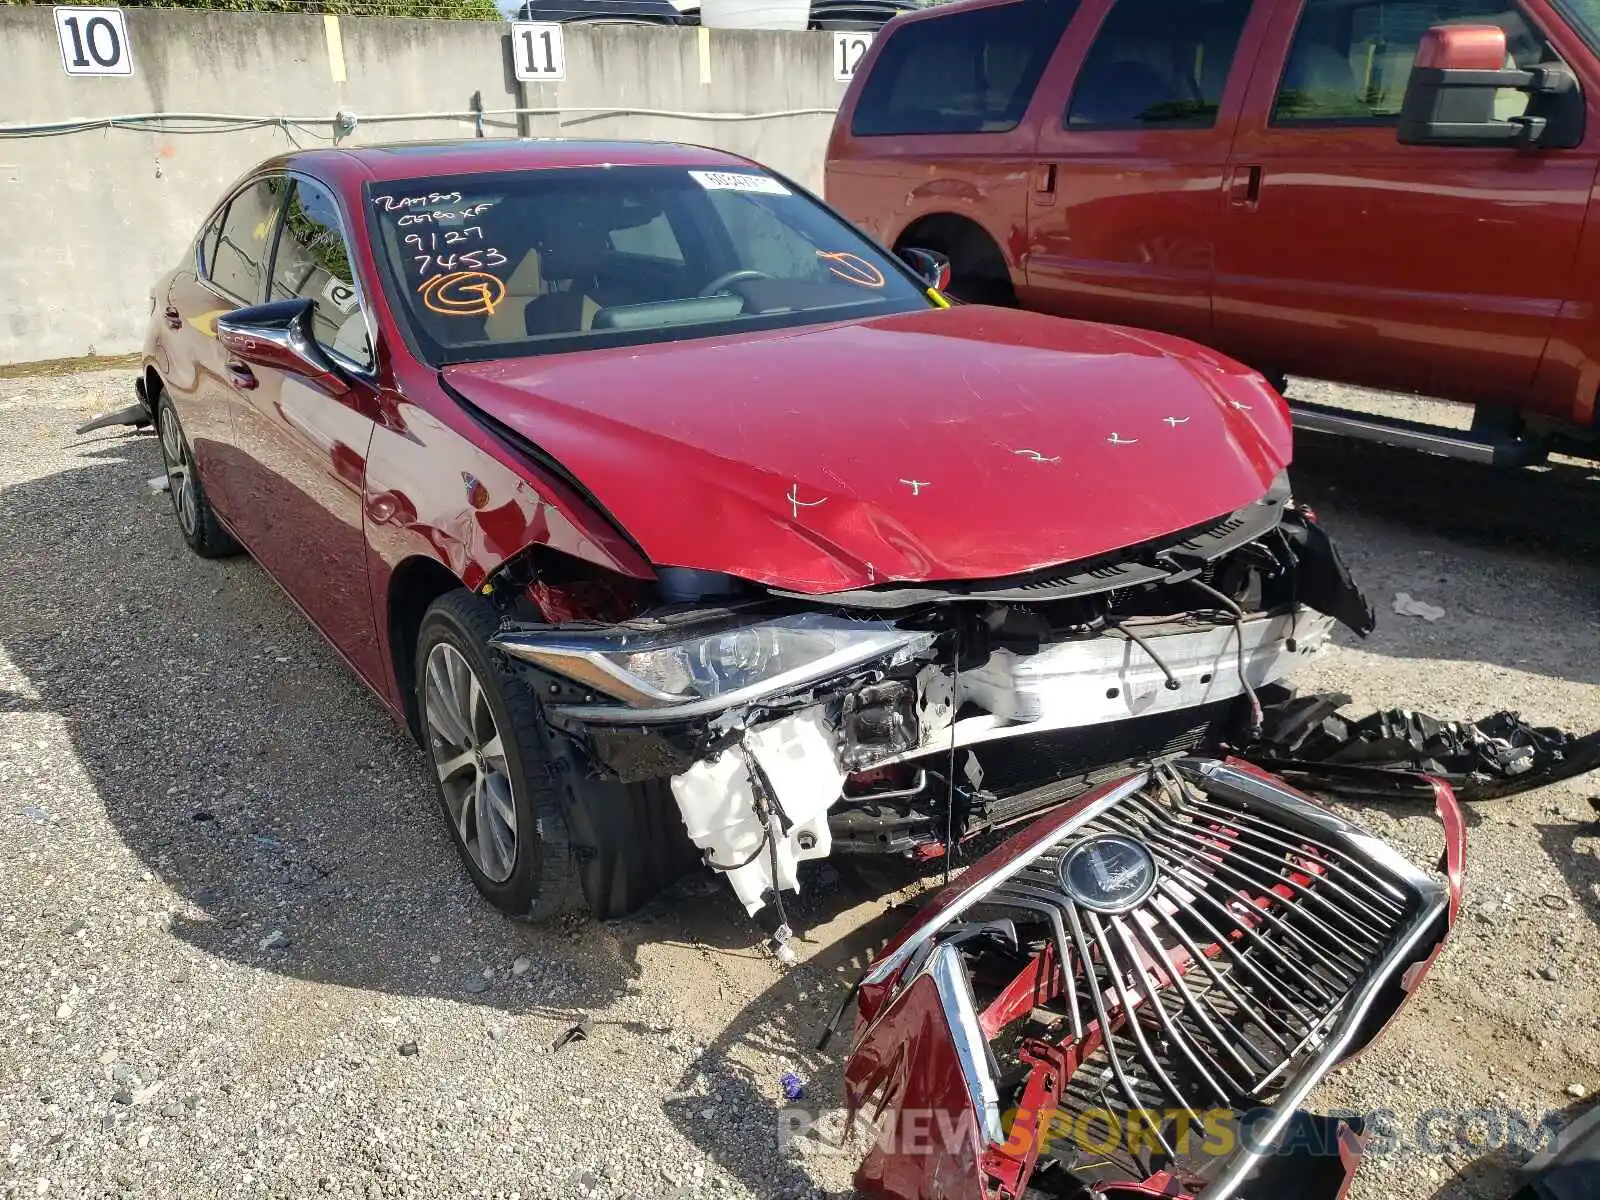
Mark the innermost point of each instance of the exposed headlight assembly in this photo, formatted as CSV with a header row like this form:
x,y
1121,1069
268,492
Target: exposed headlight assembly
x,y
672,674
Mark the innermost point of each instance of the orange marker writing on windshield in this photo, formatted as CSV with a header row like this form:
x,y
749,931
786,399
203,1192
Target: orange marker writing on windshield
x,y
852,268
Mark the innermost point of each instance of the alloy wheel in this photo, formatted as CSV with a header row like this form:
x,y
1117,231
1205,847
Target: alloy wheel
x,y
180,472
470,758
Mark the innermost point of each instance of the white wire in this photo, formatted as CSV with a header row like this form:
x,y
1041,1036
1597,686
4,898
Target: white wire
x,y
240,123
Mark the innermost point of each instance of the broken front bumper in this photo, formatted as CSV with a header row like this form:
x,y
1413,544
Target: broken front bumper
x,y
1140,991
760,771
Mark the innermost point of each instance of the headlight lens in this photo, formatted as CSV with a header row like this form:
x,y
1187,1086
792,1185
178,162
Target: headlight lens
x,y
668,675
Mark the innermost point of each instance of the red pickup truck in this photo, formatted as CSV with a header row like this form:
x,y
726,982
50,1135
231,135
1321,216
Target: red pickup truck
x,y
1393,193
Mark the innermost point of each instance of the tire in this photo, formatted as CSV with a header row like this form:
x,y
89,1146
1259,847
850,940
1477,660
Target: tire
x,y
537,878
196,519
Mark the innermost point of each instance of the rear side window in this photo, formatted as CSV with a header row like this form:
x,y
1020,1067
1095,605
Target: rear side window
x,y
968,72
1350,62
208,241
238,265
1158,64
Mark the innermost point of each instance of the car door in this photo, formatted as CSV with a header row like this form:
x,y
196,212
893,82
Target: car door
x,y
1126,193
307,446
229,272
1346,255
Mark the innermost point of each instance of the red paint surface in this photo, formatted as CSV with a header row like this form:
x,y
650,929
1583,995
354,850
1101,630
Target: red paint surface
x,y
1463,48
908,1062
1329,250
839,455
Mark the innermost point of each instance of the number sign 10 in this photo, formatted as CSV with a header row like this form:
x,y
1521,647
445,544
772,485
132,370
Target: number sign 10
x,y
537,53
848,50
94,41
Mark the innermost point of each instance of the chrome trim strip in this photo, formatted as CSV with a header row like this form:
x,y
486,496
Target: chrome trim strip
x,y
974,892
972,1048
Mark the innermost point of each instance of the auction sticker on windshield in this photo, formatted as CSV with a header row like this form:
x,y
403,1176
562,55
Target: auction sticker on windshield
x,y
730,181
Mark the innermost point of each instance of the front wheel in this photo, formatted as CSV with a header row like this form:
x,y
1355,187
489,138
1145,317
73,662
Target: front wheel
x,y
492,762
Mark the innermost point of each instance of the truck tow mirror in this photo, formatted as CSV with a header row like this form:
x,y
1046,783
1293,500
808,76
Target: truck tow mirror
x,y
1450,95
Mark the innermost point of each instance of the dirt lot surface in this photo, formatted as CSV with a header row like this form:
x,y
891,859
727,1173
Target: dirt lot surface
x,y
238,957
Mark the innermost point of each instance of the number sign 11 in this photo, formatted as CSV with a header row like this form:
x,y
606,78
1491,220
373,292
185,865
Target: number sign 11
x,y
537,53
94,41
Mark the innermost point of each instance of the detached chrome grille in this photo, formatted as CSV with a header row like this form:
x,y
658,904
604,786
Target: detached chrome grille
x,y
1204,993
1196,938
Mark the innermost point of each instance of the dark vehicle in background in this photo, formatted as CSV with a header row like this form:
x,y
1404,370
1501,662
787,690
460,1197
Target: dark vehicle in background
x,y
1392,193
607,12
862,16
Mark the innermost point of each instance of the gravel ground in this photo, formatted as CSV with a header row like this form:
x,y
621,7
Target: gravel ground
x,y
237,955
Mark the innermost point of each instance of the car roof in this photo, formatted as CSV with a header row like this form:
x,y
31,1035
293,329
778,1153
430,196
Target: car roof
x,y
421,160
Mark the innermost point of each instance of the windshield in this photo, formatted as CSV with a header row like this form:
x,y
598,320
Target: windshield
x,y
535,262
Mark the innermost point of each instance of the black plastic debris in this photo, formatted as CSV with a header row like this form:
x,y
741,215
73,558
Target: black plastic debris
x,y
134,415
1570,1169
1310,740
1322,579
576,1033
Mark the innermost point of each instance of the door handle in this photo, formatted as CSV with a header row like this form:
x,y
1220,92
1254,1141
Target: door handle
x,y
242,376
174,318
1245,187
1044,183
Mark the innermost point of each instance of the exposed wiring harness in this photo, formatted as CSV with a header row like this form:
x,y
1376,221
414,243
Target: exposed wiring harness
x,y
1256,716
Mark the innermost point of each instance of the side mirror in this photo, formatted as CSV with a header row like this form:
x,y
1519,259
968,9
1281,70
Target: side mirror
x,y
279,336
931,267
1450,94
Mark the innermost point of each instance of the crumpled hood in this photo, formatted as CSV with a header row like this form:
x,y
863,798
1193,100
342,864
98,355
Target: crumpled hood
x,y
967,443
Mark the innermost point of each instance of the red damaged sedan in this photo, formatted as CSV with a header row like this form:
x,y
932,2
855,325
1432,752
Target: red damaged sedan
x,y
684,525
681,523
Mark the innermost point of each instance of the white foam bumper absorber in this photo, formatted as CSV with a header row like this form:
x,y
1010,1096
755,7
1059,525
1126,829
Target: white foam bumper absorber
x,y
1112,678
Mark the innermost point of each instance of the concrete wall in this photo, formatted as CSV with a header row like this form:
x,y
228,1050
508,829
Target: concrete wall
x,y
91,219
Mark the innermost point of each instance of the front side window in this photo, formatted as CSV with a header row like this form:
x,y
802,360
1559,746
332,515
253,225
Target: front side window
x,y
1158,64
313,263
238,265
536,262
972,71
1349,61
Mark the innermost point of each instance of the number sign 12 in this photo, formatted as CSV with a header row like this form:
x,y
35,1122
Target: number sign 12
x,y
848,49
537,53
94,41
